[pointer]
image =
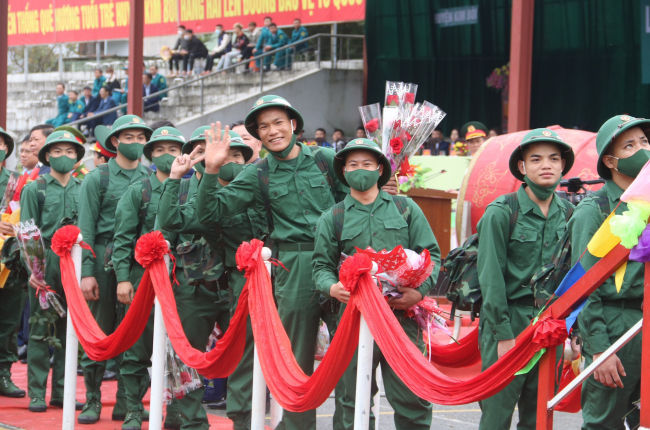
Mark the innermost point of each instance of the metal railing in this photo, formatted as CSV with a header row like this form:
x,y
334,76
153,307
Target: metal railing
x,y
341,51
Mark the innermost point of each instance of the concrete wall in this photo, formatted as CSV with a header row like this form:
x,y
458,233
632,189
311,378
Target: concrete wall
x,y
326,99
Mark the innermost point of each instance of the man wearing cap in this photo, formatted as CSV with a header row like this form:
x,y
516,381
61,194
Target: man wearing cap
x,y
11,294
101,153
369,217
135,215
475,133
100,192
50,201
79,169
295,185
607,398
513,248
236,229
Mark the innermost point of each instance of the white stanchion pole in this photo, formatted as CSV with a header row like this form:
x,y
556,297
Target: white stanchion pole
x,y
258,406
276,409
158,364
376,400
364,373
71,352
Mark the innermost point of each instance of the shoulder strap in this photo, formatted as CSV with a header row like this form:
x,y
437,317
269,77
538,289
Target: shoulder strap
x,y
338,216
104,179
324,167
263,180
513,204
568,209
146,198
184,190
603,204
41,188
403,208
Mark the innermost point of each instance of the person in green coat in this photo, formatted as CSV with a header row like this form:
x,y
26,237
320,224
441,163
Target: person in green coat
x,y
157,79
508,258
241,227
76,108
608,397
62,107
262,42
50,202
100,192
369,217
293,189
98,82
298,33
135,215
276,39
12,296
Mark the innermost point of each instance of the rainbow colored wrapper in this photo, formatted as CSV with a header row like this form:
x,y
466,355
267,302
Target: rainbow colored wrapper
x,y
638,190
641,252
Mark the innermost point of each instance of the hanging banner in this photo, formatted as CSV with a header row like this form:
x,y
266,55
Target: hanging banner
x,y
40,22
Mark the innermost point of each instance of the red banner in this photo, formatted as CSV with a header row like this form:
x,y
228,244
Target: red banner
x,y
40,22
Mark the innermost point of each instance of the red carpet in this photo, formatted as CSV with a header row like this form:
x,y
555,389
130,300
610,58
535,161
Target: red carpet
x,y
14,411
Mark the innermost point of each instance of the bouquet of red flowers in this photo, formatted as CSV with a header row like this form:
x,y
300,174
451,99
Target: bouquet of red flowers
x,y
31,245
180,379
9,193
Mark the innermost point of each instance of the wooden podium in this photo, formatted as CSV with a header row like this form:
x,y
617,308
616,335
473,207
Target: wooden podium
x,y
436,206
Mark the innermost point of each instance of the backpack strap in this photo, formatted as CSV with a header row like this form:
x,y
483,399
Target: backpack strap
x,y
403,208
603,203
513,204
263,181
144,206
568,209
41,191
325,169
184,190
104,179
338,217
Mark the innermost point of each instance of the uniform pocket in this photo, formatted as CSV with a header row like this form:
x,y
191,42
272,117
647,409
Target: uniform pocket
x,y
522,246
397,231
233,221
278,191
351,232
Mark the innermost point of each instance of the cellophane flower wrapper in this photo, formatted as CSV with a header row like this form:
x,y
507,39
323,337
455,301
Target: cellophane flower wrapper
x,y
9,193
372,122
31,245
322,340
180,379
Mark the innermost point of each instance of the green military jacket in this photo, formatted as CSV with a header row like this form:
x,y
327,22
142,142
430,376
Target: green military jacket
x,y
4,178
60,202
298,193
586,220
380,226
507,264
130,224
97,214
76,106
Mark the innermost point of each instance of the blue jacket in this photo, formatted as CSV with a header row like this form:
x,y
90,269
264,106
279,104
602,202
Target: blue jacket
x,y
152,103
62,105
263,40
105,104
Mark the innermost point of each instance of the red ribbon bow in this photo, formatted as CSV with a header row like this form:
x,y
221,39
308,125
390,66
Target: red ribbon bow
x,y
550,332
65,238
152,247
353,268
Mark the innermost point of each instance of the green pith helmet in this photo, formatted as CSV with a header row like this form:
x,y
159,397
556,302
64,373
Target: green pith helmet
x,y
267,102
473,129
608,132
367,145
236,142
163,134
9,141
197,136
126,122
101,134
536,136
76,133
60,137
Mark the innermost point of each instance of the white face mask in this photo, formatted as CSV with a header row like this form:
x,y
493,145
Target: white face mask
x,y
180,32
218,32
186,37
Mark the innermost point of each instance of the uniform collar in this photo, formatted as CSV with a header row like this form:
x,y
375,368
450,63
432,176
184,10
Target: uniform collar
x,y
614,192
304,152
50,179
155,182
115,168
350,201
526,204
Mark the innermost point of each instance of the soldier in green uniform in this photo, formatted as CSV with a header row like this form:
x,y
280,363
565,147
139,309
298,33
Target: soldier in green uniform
x,y
157,79
62,107
276,39
80,170
12,295
135,215
475,134
100,192
242,227
608,396
76,108
50,201
371,217
294,185
517,236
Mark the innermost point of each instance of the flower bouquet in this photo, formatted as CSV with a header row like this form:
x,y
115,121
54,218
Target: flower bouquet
x,y
461,149
8,195
179,378
403,125
31,245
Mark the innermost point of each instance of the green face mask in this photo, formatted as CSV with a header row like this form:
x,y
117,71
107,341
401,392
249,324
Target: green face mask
x,y
200,167
631,166
542,193
62,163
285,152
164,163
361,179
229,171
132,151
3,155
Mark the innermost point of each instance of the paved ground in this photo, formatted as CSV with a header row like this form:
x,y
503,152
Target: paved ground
x,y
464,417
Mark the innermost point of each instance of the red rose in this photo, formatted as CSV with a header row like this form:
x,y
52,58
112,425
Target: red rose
x,y
408,136
372,125
397,124
409,98
186,377
392,100
396,145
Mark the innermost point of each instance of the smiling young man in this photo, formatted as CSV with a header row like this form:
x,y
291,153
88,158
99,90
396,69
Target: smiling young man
x,y
50,201
517,236
294,186
183,219
369,217
607,398
100,192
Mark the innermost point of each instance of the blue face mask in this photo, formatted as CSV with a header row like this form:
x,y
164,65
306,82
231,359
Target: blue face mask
x,y
218,32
